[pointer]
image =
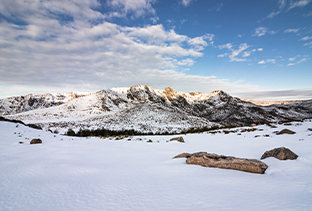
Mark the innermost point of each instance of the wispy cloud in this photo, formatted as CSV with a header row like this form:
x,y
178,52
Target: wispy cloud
x,y
285,6
186,3
298,3
260,31
306,38
291,30
277,95
273,61
300,61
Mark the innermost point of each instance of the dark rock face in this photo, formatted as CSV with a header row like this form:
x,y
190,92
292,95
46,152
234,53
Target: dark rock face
x,y
179,139
225,162
280,153
285,131
36,141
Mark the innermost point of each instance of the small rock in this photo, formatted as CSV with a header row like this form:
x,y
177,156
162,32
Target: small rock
x,y
285,131
253,125
182,155
36,141
179,139
150,141
280,153
21,142
310,129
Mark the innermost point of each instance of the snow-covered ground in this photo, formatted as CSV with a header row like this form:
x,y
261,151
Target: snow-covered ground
x,y
71,173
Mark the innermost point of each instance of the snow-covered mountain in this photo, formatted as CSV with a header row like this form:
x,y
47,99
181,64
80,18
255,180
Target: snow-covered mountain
x,y
144,109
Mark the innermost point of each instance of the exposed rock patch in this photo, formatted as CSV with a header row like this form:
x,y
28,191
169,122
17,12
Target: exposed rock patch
x,y
36,141
226,162
285,131
179,139
280,153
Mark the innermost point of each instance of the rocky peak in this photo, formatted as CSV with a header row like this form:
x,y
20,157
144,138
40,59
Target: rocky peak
x,y
170,93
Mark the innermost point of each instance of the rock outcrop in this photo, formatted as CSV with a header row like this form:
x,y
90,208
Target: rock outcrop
x,y
280,153
226,162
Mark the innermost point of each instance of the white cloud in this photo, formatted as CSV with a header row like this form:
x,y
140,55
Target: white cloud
x,y
154,19
291,30
235,53
200,42
222,55
260,49
246,54
228,46
185,3
89,53
300,61
135,7
260,31
306,38
267,61
298,3
186,62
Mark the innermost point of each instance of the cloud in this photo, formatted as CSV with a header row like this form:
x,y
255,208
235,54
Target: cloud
x,y
235,53
298,3
273,61
222,55
137,8
246,54
291,5
200,42
154,19
278,95
186,62
87,52
228,46
260,49
306,38
291,30
260,31
186,3
300,61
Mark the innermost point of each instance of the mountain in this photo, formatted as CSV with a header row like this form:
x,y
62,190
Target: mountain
x,y
147,110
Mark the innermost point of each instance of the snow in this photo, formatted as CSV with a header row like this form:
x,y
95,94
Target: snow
x,y
71,173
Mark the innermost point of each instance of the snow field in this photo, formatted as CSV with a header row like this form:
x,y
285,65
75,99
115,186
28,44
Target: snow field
x,y
71,173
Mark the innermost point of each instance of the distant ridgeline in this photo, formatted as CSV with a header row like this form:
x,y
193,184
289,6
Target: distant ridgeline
x,y
142,110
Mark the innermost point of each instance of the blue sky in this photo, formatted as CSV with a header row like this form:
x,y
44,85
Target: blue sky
x,y
259,49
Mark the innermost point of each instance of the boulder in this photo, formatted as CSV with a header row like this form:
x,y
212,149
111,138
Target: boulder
x,y
36,141
285,131
226,162
179,139
280,153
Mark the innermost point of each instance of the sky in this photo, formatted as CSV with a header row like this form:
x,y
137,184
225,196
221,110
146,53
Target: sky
x,y
259,49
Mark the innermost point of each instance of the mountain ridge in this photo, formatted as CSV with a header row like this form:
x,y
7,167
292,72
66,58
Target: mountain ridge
x,y
146,109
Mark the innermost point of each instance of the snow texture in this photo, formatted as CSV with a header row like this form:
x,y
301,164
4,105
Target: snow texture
x,y
71,173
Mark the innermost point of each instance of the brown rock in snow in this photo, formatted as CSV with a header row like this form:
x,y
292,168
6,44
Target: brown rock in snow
x,y
179,139
225,162
280,153
285,131
36,141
